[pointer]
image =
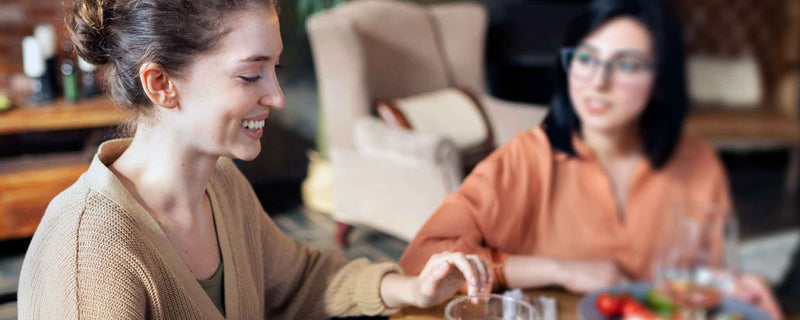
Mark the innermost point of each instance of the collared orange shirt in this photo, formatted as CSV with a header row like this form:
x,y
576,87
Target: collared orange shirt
x,y
530,199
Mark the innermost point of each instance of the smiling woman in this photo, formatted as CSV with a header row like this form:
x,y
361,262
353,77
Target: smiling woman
x,y
163,225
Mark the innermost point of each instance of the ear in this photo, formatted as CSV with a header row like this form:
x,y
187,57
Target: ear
x,y
158,86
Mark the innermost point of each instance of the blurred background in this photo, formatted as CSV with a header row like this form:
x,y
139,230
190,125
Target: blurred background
x,y
743,68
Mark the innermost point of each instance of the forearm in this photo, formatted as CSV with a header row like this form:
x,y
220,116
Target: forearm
x,y
532,271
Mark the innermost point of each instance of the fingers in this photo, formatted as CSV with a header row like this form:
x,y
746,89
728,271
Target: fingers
x,y
475,271
434,262
483,270
756,291
459,260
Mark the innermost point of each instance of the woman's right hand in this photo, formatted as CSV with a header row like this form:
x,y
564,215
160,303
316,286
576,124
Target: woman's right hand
x,y
583,276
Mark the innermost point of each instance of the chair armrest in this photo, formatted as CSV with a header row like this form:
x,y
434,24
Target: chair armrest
x,y
508,118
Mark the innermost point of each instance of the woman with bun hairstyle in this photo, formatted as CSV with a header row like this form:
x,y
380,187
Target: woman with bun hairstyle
x,y
163,225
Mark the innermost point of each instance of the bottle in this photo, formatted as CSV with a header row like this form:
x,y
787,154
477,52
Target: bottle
x,y
33,63
45,35
88,79
69,74
69,81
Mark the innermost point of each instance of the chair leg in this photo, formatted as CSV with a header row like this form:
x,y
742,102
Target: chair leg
x,y
342,230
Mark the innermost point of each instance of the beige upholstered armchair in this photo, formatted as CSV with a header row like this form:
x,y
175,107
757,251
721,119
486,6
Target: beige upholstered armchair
x,y
385,178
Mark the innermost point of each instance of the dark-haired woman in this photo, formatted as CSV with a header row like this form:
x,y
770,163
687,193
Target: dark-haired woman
x,y
163,225
577,202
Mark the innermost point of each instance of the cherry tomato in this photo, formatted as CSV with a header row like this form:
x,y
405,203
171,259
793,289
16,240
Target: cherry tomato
x,y
607,305
630,308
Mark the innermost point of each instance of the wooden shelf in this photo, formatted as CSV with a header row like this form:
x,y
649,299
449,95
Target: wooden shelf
x,y
745,128
27,186
91,113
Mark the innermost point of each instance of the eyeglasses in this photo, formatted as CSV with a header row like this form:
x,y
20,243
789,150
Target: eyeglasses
x,y
624,69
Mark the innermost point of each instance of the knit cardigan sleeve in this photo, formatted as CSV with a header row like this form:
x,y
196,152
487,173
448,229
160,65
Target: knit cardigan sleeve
x,y
302,283
310,284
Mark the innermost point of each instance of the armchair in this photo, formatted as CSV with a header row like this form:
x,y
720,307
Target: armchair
x,y
367,50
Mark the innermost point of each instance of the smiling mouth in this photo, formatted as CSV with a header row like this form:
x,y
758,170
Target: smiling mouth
x,y
597,105
252,124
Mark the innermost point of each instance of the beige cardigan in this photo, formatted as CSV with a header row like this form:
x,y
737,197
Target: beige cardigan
x,y
97,254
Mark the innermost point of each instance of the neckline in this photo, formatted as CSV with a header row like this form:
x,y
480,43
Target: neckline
x,y
215,277
100,179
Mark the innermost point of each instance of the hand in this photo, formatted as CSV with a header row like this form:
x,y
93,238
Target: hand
x,y
447,272
754,290
582,276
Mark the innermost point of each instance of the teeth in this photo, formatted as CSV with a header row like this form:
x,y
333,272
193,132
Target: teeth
x,y
253,124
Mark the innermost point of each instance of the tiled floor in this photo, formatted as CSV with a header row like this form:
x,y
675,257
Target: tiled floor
x,y
318,230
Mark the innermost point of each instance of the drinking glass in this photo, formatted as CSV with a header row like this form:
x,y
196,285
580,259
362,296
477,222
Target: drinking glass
x,y
696,262
489,307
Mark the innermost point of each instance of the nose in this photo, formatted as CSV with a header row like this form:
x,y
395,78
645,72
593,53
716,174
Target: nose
x,y
273,97
601,77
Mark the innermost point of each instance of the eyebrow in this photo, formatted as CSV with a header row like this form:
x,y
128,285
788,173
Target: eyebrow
x,y
588,46
259,58
621,53
256,58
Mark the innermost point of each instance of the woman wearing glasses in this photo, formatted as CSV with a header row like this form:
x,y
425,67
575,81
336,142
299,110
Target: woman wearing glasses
x,y
577,202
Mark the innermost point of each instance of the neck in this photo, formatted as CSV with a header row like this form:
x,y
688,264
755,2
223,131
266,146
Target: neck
x,y
165,175
613,144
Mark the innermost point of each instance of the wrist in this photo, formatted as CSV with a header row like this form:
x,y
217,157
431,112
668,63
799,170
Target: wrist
x,y
561,271
535,271
398,291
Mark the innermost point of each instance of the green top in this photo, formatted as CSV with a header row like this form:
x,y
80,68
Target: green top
x,y
214,289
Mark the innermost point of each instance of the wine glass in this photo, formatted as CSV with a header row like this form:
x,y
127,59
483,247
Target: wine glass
x,y
696,259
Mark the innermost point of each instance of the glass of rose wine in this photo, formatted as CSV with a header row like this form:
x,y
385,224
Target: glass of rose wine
x,y
696,260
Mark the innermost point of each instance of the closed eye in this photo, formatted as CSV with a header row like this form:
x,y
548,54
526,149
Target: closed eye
x,y
250,79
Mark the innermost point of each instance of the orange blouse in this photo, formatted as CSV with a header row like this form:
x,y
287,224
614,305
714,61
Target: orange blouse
x,y
530,199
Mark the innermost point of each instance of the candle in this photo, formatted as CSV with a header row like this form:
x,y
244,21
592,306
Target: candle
x,y
32,58
46,35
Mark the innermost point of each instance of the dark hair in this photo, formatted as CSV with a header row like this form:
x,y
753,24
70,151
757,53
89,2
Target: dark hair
x,y
121,35
661,123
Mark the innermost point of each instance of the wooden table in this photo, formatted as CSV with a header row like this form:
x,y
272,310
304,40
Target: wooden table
x,y
567,306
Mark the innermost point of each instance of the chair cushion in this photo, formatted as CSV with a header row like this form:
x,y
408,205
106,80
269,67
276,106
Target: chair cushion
x,y
451,113
726,82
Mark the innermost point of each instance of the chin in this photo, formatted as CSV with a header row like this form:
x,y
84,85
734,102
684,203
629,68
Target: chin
x,y
247,154
601,125
248,157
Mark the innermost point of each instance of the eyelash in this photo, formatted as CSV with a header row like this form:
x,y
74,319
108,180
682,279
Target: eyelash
x,y
250,79
256,78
